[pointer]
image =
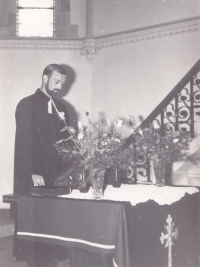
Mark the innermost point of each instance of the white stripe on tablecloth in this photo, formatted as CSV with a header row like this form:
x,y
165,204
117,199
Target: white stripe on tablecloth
x,y
114,263
68,239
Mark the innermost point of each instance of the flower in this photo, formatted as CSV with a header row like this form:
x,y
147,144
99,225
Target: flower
x,y
80,125
80,136
71,130
132,119
118,123
156,124
140,132
96,147
166,147
61,115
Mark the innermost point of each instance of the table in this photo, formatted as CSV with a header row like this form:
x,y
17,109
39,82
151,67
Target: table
x,y
96,226
117,227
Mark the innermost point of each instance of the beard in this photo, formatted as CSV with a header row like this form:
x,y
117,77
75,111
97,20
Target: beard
x,y
52,93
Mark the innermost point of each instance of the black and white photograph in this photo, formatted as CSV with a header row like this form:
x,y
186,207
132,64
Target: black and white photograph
x,y
100,133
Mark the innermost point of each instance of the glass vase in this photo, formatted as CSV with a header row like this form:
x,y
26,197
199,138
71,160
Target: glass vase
x,y
82,182
97,180
116,177
159,172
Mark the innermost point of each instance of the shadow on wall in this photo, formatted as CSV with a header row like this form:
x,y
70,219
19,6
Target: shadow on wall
x,y
71,77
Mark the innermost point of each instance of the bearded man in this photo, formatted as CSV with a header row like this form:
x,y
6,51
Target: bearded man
x,y
39,121
38,127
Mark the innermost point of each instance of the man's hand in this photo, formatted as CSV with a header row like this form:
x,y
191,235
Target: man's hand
x,y
38,180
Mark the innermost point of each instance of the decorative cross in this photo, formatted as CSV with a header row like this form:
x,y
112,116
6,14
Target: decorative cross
x,y
167,238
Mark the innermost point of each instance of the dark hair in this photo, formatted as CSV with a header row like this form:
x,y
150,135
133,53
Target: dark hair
x,y
50,68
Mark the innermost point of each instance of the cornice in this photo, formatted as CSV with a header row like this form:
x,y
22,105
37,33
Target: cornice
x,y
21,44
149,34
90,47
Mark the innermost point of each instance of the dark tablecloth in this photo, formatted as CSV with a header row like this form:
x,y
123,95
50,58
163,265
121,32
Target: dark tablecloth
x,y
145,222
96,226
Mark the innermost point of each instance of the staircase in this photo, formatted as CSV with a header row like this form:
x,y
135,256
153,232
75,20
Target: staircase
x,y
179,110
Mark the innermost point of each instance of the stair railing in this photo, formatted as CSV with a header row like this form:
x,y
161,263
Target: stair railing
x,y
178,110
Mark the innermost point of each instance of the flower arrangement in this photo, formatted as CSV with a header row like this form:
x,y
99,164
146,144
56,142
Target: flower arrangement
x,y
96,147
167,147
162,148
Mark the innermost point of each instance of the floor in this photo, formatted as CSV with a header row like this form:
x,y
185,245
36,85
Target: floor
x,y
6,257
6,242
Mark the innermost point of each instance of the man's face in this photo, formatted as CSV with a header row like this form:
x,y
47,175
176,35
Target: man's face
x,y
55,83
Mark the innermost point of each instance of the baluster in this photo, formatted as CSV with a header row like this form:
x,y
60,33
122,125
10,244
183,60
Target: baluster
x,y
162,122
192,108
148,170
135,165
176,113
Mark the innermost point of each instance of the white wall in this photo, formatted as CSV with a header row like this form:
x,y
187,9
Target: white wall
x,y
133,79
112,16
20,76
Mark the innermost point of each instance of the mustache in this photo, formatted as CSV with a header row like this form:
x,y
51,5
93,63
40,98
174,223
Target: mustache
x,y
56,92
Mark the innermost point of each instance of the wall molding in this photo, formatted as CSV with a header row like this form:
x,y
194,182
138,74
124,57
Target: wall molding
x,y
23,44
98,44
149,34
